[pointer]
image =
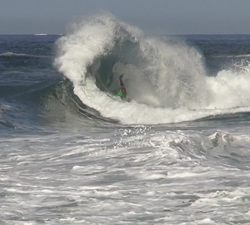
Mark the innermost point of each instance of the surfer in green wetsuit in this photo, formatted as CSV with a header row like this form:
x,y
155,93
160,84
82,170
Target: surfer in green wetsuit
x,y
122,92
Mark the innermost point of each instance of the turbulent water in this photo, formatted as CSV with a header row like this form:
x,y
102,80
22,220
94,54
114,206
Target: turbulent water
x,y
72,152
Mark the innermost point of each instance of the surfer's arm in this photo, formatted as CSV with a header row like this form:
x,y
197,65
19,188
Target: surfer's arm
x,y
121,81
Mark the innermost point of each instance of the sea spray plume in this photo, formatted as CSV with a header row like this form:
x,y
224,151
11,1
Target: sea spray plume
x,y
177,73
78,50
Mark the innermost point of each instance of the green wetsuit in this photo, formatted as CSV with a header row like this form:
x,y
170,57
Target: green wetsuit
x,y
122,95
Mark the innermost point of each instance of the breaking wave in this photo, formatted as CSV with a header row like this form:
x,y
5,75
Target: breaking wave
x,y
166,79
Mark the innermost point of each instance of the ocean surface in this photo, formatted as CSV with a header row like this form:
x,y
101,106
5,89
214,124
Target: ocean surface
x,y
71,152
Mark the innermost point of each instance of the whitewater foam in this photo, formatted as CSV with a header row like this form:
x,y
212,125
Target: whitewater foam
x,y
229,89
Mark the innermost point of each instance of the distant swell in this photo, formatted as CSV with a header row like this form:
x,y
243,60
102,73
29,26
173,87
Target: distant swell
x,y
12,54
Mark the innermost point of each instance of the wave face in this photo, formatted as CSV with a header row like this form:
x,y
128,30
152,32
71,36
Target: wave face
x,y
166,80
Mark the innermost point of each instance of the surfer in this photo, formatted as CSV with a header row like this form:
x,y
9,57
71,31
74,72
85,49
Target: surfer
x,y
122,92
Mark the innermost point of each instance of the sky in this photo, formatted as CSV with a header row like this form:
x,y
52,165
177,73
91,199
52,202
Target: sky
x,y
151,16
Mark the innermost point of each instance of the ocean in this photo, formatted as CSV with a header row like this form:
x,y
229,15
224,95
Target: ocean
x,y
72,152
